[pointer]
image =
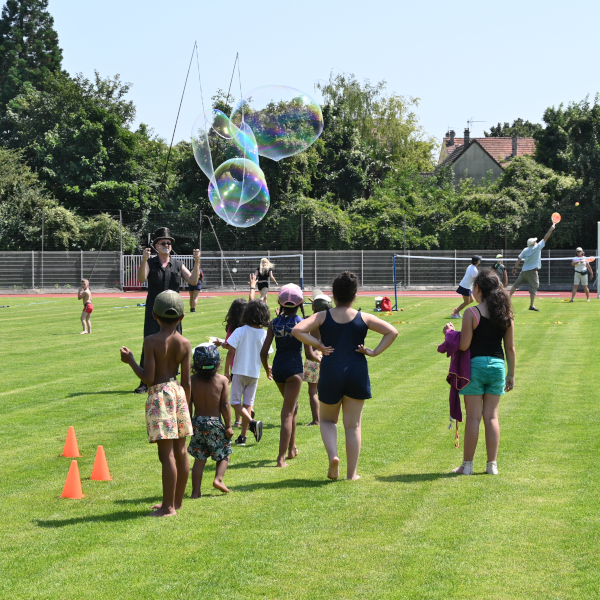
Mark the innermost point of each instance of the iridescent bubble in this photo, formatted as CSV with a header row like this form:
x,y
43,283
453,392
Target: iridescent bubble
x,y
285,121
238,192
215,140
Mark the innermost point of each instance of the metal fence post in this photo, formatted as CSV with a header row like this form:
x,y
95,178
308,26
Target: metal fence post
x,y
121,277
315,268
81,264
42,256
549,263
362,268
222,261
455,268
32,269
409,268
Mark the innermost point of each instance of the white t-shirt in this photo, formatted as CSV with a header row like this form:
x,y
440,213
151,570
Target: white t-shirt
x,y
248,342
580,267
469,278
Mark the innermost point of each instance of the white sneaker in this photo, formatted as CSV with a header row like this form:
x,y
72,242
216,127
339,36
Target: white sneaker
x,y
491,468
456,316
467,468
588,299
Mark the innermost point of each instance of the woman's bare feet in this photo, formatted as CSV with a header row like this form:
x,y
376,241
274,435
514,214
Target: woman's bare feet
x,y
83,333
163,512
281,463
312,423
158,506
196,495
219,485
334,468
293,453
354,478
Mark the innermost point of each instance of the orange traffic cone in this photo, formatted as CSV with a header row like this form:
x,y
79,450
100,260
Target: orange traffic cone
x,y
100,471
71,448
72,487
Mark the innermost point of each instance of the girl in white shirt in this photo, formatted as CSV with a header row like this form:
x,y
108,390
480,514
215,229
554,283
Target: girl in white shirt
x,y
465,288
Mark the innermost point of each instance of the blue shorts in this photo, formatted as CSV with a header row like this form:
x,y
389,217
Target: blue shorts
x,y
283,370
488,376
344,379
463,291
198,286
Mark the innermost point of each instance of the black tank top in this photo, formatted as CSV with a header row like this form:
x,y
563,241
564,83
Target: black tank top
x,y
487,339
345,338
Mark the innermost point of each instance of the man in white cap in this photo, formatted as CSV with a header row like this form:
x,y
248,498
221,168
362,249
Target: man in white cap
x,y
501,270
532,263
582,266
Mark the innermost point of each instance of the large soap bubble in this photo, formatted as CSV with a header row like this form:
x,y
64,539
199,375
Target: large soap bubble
x,y
238,192
285,121
215,138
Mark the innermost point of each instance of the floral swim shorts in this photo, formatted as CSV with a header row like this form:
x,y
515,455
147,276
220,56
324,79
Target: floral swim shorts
x,y
209,439
167,414
312,369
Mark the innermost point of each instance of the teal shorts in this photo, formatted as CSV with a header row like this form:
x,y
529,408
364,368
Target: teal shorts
x,y
488,376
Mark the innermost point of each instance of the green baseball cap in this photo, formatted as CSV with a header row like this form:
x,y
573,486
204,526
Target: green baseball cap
x,y
168,304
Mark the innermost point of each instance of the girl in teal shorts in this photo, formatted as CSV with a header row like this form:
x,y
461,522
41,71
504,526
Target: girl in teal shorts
x,y
485,329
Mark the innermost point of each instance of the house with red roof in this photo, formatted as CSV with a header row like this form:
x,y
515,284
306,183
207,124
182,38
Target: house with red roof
x,y
475,158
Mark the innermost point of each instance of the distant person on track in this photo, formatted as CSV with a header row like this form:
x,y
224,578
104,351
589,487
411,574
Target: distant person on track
x,y
85,294
344,380
582,267
532,263
500,269
484,329
465,287
162,272
263,274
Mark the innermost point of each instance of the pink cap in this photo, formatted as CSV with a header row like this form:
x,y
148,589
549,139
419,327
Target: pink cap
x,y
290,295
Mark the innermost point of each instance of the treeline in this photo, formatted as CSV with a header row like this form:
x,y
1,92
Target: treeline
x,y
68,149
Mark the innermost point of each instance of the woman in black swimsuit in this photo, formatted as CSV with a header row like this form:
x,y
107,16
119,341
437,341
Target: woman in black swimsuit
x,y
263,273
344,379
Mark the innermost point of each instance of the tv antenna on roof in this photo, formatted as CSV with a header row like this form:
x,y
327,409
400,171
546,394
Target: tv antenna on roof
x,y
471,121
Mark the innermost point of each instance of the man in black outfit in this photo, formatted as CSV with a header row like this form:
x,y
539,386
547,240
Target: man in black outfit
x,y
163,272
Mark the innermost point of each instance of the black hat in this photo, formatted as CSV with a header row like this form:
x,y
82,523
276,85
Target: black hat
x,y
162,233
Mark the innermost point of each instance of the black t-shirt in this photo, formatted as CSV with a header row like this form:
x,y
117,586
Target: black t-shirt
x,y
160,279
487,339
264,277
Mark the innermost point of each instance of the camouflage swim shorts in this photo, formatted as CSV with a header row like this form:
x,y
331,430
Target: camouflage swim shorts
x,y
209,439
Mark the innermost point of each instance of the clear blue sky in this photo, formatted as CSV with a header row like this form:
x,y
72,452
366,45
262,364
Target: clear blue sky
x,y
492,61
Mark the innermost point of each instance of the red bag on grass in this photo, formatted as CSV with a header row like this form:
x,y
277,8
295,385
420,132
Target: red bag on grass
x,y
386,304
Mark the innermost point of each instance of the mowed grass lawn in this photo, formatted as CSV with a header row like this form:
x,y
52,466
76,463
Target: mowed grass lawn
x,y
406,529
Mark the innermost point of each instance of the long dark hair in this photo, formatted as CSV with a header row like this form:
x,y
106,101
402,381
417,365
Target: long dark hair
x,y
233,320
498,301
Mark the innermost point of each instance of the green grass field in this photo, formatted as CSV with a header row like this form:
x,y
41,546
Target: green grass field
x,y
406,529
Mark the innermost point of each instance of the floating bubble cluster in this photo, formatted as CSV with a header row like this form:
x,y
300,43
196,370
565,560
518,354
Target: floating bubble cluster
x,y
271,121
285,121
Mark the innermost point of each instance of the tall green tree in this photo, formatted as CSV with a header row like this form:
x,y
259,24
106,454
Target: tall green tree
x,y
29,50
520,128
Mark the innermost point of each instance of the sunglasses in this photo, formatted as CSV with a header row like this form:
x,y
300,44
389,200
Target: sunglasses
x,y
164,244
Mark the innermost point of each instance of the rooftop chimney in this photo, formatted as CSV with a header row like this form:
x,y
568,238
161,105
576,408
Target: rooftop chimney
x,y
467,136
514,146
452,134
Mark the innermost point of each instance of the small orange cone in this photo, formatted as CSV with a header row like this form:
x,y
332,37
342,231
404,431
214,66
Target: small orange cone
x,y
71,448
72,487
100,471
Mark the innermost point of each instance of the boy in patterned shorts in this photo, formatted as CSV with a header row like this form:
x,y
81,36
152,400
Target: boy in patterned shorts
x,y
167,414
212,437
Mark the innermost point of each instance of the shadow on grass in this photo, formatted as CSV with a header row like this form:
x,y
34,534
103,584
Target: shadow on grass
x,y
106,518
96,393
416,477
149,500
286,483
252,463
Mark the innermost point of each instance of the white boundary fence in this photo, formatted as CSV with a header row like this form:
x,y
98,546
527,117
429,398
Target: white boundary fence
x,y
374,268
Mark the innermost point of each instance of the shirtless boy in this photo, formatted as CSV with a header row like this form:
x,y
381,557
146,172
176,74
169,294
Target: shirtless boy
x,y
85,294
212,436
167,414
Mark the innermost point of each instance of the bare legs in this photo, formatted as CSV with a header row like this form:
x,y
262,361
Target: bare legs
x,y
86,322
531,296
585,289
198,470
466,301
290,390
263,294
194,299
485,406
352,413
242,413
313,397
175,472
